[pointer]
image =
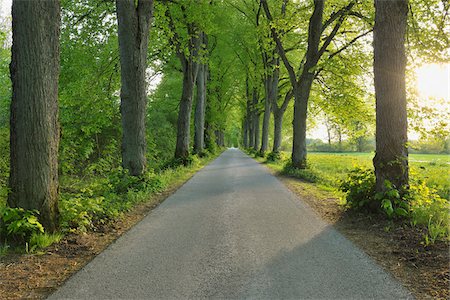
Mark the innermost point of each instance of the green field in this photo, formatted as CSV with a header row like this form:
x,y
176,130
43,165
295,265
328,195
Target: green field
x,y
331,168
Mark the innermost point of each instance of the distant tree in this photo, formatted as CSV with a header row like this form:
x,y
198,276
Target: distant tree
x,y
34,109
391,159
134,20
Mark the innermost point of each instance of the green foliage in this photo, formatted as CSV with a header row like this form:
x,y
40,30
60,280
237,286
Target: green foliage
x,y
18,225
83,211
307,174
274,156
359,189
43,240
428,209
391,201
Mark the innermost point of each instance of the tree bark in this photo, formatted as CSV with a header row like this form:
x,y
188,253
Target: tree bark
x,y
199,116
266,118
391,159
34,124
302,88
255,118
184,113
257,131
133,28
245,132
278,126
251,127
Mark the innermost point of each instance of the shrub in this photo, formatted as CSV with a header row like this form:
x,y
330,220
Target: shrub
x,y
274,156
308,174
83,211
17,224
430,210
359,189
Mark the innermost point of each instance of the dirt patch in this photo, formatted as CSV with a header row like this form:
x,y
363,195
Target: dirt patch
x,y
36,276
396,246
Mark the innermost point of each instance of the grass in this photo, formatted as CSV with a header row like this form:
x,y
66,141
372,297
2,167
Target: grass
x,y
331,168
429,173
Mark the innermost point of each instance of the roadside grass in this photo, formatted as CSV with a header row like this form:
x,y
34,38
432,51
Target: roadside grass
x,y
89,203
430,174
331,168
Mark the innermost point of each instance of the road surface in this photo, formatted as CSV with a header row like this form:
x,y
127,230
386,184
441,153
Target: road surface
x,y
233,231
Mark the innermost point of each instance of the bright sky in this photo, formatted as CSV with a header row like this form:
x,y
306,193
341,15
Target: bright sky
x,y
5,8
433,81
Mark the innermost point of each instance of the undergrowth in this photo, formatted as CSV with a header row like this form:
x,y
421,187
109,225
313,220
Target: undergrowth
x,y
423,205
88,203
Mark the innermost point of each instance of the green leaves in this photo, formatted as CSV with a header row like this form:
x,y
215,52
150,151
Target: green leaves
x,y
19,224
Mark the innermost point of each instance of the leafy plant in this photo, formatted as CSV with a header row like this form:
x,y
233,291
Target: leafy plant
x,y
391,201
42,240
274,156
359,189
308,174
18,224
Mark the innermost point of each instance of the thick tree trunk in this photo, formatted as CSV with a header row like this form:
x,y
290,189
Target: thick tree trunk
x,y
133,28
184,114
34,124
245,132
301,96
251,132
251,124
255,120
266,118
391,159
302,88
199,116
257,130
278,126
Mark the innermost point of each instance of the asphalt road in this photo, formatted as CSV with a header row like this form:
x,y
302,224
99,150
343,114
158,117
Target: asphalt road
x,y
233,231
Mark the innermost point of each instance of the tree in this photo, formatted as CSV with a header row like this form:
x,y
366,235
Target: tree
x,y
134,20
302,79
186,48
34,109
200,107
391,159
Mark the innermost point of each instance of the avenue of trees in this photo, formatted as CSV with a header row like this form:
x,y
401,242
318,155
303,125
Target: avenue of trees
x,y
147,84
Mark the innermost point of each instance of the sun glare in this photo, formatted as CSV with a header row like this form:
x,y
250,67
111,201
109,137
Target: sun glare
x,y
433,81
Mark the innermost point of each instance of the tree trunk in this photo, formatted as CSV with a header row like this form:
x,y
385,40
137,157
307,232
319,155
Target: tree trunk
x,y
251,125
266,118
133,29
391,159
255,120
34,124
301,96
302,88
278,126
246,132
184,114
199,117
257,131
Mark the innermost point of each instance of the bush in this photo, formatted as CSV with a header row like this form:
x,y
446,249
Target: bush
x,y
359,189
308,174
420,204
274,156
429,210
17,225
183,161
